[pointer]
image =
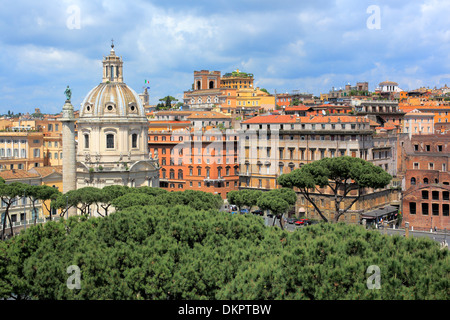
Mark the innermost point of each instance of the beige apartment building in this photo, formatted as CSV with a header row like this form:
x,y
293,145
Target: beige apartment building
x,y
21,150
275,144
24,137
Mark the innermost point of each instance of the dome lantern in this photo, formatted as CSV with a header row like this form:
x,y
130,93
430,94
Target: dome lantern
x,y
112,67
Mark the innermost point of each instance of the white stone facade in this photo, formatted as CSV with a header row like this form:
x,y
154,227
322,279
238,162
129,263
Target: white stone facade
x,y
113,134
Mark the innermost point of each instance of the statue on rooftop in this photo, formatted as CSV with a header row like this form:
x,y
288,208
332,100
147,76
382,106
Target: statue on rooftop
x,y
68,93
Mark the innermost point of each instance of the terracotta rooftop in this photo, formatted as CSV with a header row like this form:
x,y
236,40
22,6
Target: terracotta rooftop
x,y
173,112
45,171
333,119
271,119
373,123
297,108
167,121
207,115
332,106
18,174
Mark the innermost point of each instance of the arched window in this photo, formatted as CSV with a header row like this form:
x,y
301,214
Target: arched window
x,y
172,174
425,180
110,141
211,84
199,85
134,140
180,174
413,181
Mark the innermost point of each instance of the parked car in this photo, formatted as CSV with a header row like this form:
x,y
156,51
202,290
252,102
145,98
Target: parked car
x,y
258,212
243,211
301,222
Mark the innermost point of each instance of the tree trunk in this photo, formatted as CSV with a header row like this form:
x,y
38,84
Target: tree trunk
x,y
281,222
11,225
4,226
34,211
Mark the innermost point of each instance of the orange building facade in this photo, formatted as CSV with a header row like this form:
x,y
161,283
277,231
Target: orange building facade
x,y
203,159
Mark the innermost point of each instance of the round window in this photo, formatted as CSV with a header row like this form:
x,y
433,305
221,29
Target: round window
x,y
88,108
110,108
132,108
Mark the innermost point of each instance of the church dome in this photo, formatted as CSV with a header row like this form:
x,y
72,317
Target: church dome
x,y
112,97
112,100
388,83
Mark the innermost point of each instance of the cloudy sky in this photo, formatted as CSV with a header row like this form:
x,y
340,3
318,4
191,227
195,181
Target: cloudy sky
x,y
288,45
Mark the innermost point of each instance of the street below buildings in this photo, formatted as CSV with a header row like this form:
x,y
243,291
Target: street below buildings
x,y
436,236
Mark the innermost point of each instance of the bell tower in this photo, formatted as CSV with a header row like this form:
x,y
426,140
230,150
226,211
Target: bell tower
x,y
112,67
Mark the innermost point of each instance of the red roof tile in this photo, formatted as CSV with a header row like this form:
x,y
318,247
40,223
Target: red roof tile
x,y
271,119
297,108
17,174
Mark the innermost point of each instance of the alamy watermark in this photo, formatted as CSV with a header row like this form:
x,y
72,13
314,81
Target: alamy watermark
x,y
374,281
374,20
74,280
74,19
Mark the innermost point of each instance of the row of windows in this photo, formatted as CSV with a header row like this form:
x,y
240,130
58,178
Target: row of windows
x,y
313,126
426,181
313,137
199,184
254,103
439,148
216,159
13,153
110,141
435,195
436,209
416,166
50,144
420,120
199,173
291,155
208,100
54,155
415,129
20,166
12,167
50,127
15,141
197,138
